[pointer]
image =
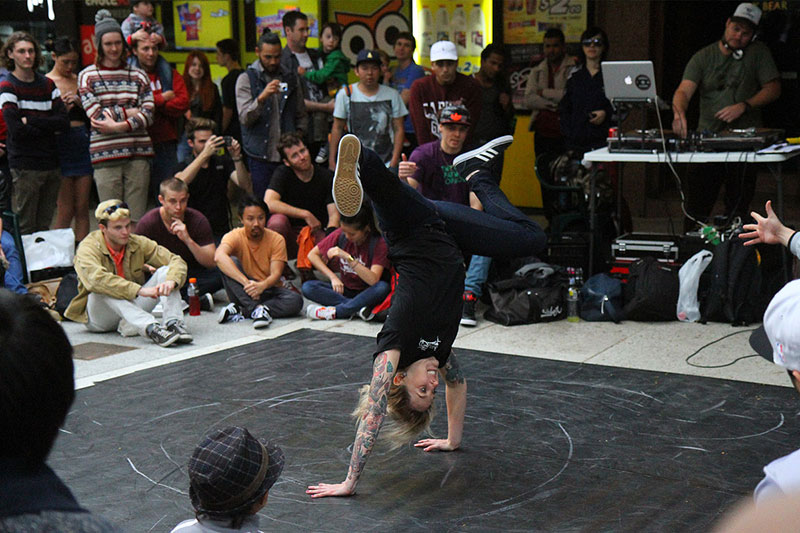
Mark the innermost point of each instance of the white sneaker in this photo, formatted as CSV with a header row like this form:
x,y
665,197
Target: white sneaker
x,y
322,155
319,312
261,317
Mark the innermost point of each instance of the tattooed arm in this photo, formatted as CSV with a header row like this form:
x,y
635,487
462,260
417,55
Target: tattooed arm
x,y
456,398
382,373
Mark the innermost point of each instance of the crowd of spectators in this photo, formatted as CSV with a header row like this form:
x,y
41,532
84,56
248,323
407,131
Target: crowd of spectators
x,y
134,131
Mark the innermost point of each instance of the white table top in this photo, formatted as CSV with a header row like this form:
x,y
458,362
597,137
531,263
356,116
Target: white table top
x,y
604,156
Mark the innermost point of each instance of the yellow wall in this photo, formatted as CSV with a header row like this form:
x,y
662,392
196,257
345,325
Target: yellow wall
x,y
519,179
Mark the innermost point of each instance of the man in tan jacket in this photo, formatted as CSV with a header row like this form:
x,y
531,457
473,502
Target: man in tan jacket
x,y
112,293
544,90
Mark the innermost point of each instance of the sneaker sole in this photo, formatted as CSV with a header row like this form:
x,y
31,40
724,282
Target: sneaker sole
x,y
491,145
169,342
347,191
261,324
469,322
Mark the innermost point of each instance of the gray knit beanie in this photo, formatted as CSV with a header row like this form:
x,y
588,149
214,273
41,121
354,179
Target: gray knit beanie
x,y
105,23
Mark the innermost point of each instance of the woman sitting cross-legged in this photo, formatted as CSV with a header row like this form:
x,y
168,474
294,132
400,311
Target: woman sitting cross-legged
x,y
358,253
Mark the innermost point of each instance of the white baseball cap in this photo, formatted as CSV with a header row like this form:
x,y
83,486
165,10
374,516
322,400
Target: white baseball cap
x,y
747,12
443,50
782,328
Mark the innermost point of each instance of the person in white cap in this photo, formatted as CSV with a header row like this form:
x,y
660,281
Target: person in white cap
x,y
446,87
778,340
736,77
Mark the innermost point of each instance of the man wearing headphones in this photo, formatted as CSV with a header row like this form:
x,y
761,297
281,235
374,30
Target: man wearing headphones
x,y
736,77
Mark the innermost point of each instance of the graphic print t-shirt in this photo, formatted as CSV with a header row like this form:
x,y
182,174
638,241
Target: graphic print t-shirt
x,y
370,117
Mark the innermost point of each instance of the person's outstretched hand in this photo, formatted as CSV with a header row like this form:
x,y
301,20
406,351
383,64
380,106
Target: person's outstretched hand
x,y
326,489
442,445
768,230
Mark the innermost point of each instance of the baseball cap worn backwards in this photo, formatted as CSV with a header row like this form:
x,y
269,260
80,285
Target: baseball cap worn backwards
x,y
778,340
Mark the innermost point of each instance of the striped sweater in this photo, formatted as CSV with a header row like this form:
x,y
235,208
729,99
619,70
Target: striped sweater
x,y
118,90
32,144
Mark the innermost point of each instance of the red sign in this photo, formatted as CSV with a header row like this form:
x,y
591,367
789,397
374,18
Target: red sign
x,y
88,50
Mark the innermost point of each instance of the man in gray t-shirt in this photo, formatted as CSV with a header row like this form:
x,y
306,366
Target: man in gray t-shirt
x,y
371,111
735,78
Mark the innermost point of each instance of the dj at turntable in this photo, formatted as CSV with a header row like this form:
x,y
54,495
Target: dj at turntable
x,y
735,77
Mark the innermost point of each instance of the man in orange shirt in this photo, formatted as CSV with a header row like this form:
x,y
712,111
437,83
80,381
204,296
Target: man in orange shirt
x,y
251,259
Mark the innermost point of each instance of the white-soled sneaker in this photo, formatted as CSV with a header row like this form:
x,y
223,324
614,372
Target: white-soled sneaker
x,y
347,190
261,317
319,312
468,162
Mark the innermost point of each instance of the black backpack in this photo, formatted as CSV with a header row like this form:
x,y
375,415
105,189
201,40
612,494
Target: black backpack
x,y
651,293
536,293
739,291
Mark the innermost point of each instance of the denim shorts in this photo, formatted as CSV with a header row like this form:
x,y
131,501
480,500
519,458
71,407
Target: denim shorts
x,y
73,152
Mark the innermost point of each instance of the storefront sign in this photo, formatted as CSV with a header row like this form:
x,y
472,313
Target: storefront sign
x,y
526,21
201,24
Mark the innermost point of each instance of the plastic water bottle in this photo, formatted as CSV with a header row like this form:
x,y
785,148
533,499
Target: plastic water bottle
x,y
458,29
442,24
194,298
477,24
572,305
428,32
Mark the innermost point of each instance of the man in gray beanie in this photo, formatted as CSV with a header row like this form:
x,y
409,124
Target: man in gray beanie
x,y
118,100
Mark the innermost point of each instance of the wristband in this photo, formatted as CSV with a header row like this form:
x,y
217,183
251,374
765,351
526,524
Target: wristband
x,y
237,160
747,106
789,242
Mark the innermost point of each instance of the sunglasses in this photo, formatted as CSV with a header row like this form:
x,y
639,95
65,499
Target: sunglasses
x,y
112,208
592,42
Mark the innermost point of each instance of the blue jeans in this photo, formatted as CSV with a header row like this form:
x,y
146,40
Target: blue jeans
x,y
350,302
184,151
165,161
13,277
477,274
261,174
501,230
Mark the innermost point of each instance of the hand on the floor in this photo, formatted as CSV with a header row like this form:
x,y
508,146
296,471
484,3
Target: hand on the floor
x,y
253,289
326,489
429,445
767,229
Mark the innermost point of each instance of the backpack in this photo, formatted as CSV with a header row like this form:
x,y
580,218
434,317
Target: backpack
x,y
601,299
67,290
536,293
651,293
739,292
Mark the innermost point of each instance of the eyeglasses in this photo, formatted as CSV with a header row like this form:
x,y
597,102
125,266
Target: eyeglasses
x,y
112,208
592,42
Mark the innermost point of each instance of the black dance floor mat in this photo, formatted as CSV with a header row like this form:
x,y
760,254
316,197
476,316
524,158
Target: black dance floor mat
x,y
548,445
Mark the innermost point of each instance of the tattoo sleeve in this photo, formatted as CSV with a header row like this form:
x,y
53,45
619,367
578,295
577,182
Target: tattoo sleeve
x,y
453,374
370,424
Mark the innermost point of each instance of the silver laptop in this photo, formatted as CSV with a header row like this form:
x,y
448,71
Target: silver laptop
x,y
629,80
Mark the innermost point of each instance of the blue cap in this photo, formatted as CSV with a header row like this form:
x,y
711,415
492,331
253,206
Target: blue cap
x,y
368,56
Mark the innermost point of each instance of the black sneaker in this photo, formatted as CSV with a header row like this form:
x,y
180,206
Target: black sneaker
x,y
183,334
162,336
468,310
230,313
347,190
481,157
206,302
261,317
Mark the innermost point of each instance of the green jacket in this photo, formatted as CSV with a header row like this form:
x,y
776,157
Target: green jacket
x,y
336,66
97,273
